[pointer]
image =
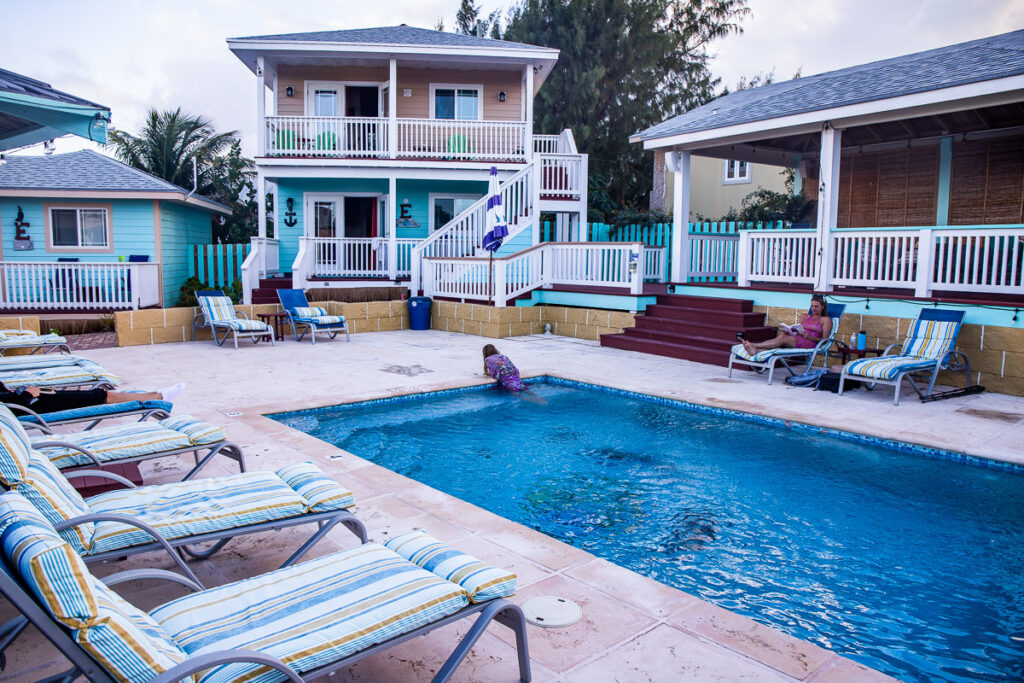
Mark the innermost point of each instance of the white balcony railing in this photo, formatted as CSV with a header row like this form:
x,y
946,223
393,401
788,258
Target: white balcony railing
x,y
78,286
777,256
713,255
563,176
353,257
326,136
462,140
262,260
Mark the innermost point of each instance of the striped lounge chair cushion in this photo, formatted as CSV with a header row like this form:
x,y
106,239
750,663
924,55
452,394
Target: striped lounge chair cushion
x,y
57,500
83,372
15,446
930,339
767,354
324,320
110,444
243,325
320,491
198,432
887,367
310,614
29,338
15,507
127,641
195,507
308,312
102,410
49,360
481,581
217,308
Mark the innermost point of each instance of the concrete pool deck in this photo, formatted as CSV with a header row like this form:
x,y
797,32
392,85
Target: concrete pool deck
x,y
633,628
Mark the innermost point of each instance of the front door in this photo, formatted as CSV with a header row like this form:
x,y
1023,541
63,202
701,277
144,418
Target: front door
x,y
326,213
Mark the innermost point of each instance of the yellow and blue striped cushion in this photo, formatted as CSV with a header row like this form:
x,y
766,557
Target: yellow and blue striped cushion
x,y
14,507
324,320
57,500
126,641
114,443
83,372
320,491
482,581
49,360
310,614
101,410
194,507
29,338
887,367
930,339
308,312
198,432
217,308
14,448
243,325
767,354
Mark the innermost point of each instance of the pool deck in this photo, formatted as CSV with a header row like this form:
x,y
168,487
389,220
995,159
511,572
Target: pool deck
x,y
633,628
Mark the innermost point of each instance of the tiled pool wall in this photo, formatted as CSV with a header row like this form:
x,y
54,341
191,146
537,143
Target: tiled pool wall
x,y
900,446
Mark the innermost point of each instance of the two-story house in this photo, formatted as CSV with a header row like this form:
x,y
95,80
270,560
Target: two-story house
x,y
377,145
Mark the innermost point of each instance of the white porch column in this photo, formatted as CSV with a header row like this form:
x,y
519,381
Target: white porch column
x,y
392,113
828,204
528,135
679,164
261,205
261,109
392,228
585,182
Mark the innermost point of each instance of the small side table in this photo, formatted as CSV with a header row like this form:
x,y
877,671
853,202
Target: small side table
x,y
275,321
848,351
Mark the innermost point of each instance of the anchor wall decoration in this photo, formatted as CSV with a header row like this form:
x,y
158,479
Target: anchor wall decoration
x,y
289,214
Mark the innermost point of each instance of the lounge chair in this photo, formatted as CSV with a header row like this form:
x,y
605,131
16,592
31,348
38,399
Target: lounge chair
x,y
294,624
62,372
305,318
220,314
92,414
171,516
32,341
769,358
927,349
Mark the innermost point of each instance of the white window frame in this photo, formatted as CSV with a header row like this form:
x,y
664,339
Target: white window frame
x,y
310,198
738,177
434,196
312,86
51,242
434,87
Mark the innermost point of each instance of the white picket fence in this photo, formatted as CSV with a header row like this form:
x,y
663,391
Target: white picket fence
x,y
80,286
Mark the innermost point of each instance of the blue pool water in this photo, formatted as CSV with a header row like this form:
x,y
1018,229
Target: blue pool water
x,y
908,564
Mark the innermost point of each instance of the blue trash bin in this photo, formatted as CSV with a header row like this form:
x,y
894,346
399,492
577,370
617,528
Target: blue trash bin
x,y
419,313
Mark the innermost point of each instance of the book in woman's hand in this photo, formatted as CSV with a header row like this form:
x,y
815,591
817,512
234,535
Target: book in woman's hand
x,y
792,329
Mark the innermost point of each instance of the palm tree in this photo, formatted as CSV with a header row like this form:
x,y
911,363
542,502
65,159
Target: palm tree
x,y
168,144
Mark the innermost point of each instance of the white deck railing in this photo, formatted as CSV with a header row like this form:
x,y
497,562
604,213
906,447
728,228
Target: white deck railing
x,y
959,259
713,255
263,259
462,140
655,264
78,286
352,257
563,176
592,264
326,136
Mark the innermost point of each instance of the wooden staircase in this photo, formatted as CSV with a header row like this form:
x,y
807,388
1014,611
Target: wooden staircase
x,y
694,328
266,293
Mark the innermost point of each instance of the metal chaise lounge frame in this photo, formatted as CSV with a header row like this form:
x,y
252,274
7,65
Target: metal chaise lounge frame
x,y
942,356
35,343
33,610
94,415
98,378
218,311
784,355
293,299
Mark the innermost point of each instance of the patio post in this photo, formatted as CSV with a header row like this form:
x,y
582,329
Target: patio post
x,y
392,227
392,107
828,205
261,205
261,109
679,164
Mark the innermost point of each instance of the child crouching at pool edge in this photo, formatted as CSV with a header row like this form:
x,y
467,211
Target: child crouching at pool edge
x,y
501,368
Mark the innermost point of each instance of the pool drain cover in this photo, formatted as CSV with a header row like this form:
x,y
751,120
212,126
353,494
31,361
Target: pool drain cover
x,y
551,611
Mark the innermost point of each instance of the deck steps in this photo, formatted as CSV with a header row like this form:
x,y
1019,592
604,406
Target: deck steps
x,y
266,292
694,328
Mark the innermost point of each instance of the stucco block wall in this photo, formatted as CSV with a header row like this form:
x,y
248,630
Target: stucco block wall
x,y
996,353
166,325
489,321
180,226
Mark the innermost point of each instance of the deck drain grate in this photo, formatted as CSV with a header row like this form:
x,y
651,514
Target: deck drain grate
x,y
551,611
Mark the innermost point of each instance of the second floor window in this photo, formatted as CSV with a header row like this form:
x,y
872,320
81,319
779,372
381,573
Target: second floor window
x,y
78,227
734,171
325,102
462,104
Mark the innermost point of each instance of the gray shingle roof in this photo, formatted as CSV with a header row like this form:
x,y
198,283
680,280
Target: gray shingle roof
x,y
23,85
986,59
83,171
395,35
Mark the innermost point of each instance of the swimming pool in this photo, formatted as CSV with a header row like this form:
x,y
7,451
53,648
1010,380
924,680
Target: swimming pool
x,y
910,565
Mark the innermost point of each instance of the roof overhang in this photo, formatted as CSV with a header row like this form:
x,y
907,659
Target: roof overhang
x,y
280,52
175,197
945,100
28,119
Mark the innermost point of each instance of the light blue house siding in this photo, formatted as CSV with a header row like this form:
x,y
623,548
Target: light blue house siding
x,y
417,192
180,226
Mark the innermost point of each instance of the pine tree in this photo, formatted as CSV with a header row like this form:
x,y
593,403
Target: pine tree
x,y
467,17
624,65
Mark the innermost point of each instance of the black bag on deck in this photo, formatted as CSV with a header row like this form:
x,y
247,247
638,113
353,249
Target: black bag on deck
x,y
830,382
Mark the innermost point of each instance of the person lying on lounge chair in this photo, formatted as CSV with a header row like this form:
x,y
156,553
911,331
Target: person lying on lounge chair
x,y
813,327
43,400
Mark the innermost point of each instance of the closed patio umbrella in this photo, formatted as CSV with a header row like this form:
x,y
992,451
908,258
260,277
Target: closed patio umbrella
x,y
497,228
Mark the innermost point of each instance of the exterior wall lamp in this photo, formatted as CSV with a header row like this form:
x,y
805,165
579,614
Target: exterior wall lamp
x,y
501,96
289,91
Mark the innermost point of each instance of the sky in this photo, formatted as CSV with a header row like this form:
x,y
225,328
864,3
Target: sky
x,y
132,55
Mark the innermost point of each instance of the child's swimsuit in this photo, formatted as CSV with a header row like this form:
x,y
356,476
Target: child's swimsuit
x,y
501,368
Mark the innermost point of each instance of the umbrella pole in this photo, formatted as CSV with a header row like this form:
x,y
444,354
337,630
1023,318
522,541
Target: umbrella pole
x,y
490,280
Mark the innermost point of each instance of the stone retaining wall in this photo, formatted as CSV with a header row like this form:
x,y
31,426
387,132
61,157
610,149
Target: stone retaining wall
x,y
165,325
489,321
996,353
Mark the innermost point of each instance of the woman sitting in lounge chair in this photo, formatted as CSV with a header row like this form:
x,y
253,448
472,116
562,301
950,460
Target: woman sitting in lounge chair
x,y
813,327
43,400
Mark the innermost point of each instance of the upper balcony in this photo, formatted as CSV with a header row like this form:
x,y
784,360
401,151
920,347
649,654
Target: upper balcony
x,y
397,93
